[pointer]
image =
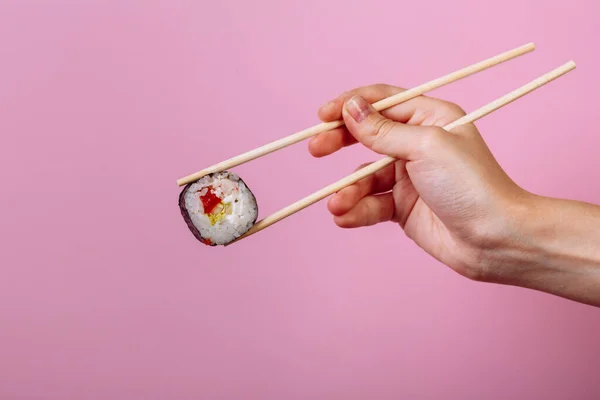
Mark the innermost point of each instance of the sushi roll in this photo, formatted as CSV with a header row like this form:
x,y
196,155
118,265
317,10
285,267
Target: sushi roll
x,y
218,208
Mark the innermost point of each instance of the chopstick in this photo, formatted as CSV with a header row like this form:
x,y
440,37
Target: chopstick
x,y
378,165
379,106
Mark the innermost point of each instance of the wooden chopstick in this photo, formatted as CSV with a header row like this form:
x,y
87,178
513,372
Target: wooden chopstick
x,y
379,106
378,165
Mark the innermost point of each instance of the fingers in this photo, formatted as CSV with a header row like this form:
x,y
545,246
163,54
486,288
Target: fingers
x,y
347,198
362,204
329,142
332,111
405,195
421,110
384,135
368,211
425,110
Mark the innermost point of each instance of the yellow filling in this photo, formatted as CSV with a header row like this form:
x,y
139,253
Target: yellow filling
x,y
219,212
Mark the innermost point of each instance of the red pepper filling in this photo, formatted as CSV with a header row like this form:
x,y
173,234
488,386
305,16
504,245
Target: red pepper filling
x,y
209,201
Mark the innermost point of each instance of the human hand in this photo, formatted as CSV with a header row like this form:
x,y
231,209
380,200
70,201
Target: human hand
x,y
446,191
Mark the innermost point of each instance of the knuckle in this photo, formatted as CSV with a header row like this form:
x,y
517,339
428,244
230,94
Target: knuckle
x,y
381,129
453,109
363,90
380,87
371,212
432,139
379,90
372,91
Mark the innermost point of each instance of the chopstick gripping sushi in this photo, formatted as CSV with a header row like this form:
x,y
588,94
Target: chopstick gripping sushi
x,y
218,208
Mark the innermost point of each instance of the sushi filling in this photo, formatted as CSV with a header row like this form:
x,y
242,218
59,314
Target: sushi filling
x,y
213,206
218,208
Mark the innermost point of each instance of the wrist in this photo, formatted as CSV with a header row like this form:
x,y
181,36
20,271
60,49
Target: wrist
x,y
550,245
511,252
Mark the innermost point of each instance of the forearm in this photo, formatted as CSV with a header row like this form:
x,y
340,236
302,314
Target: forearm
x,y
554,248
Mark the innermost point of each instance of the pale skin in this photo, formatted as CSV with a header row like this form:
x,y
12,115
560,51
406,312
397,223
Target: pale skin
x,y
452,198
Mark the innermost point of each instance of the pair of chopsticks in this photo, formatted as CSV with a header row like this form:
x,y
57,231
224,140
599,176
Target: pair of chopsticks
x,y
379,106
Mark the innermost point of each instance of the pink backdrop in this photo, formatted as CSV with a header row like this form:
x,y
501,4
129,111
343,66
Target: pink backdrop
x,y
104,293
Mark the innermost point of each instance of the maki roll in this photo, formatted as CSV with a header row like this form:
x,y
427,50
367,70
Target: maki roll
x,y
218,208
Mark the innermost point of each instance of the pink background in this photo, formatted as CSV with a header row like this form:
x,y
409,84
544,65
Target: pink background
x,y
104,293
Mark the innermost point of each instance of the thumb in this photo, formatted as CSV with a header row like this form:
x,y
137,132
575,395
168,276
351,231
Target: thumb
x,y
381,134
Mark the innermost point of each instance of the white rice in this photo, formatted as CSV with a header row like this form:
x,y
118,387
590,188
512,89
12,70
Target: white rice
x,y
233,191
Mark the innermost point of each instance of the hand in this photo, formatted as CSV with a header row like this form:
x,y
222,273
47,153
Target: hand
x,y
452,198
446,191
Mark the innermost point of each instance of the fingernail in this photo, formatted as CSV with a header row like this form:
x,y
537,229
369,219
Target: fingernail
x,y
358,108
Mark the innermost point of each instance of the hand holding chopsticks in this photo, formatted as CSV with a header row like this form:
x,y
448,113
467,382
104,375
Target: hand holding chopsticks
x,y
381,105
376,166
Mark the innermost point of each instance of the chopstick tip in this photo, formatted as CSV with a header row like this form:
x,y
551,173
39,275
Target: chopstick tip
x,y
531,46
